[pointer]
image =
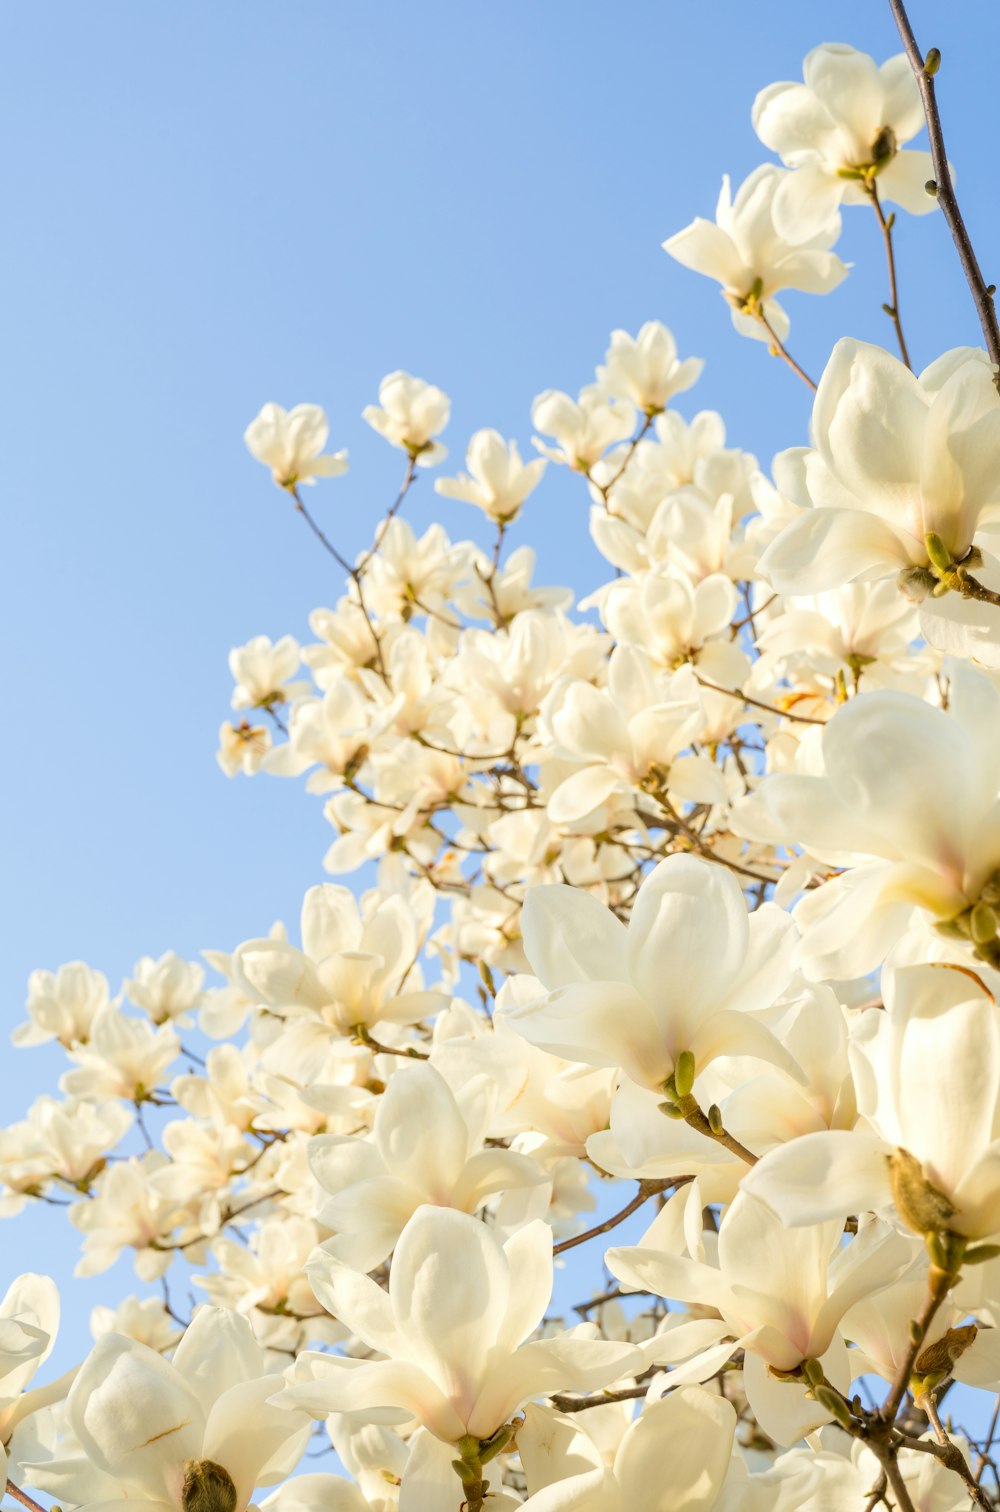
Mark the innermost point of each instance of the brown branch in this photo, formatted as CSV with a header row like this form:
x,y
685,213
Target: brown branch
x,y
892,308
779,349
23,1498
755,703
924,69
646,1190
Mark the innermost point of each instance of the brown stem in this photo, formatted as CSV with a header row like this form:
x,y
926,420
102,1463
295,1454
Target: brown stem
x,y
23,1498
891,309
939,1284
755,703
646,1190
780,350
981,292
362,1035
393,510
696,1119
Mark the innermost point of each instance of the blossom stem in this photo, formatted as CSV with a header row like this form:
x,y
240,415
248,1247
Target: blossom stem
x,y
695,1118
755,703
939,1284
363,1037
982,293
780,350
646,1190
354,573
393,510
23,1498
891,309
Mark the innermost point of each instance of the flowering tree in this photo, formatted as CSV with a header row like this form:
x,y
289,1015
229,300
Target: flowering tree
x,y
681,899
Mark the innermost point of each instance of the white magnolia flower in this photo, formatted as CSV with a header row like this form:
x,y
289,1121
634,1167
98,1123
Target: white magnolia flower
x,y
690,973
167,988
896,457
843,127
426,1147
409,414
674,1457
242,747
347,976
195,1432
62,1005
910,785
124,1057
780,1296
499,482
645,369
927,1073
29,1320
582,428
261,670
453,1325
289,442
745,252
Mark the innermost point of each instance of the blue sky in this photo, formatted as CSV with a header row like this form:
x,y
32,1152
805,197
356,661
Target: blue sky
x,y
217,205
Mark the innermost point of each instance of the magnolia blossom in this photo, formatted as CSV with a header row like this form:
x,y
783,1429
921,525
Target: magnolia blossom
x,y
346,977
29,1320
242,747
690,973
409,414
582,428
454,1326
499,482
426,1147
674,1457
842,130
62,1005
780,1296
906,783
289,442
152,1432
927,1073
261,670
645,369
744,250
168,988
897,458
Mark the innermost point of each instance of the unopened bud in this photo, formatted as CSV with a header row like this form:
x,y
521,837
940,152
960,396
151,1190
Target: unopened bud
x,y
923,1207
813,1372
982,924
684,1073
715,1119
486,977
670,1109
932,62
938,552
207,1487
834,1404
931,188
934,1364
884,146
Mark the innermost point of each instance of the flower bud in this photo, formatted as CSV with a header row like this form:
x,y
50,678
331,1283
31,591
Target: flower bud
x,y
208,1487
921,1205
684,1073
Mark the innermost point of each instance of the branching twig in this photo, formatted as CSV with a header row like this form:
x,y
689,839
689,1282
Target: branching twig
x,y
982,293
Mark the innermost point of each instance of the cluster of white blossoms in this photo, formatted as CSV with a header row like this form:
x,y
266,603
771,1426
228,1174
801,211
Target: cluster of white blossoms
x,y
679,900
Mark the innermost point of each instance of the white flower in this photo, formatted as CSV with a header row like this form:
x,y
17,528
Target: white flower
x,y
261,671
896,457
840,129
906,783
29,1320
156,1429
409,414
780,1295
426,1148
688,974
289,442
242,747
499,482
927,1073
454,1325
674,1457
168,988
743,249
123,1058
62,1005
583,428
645,369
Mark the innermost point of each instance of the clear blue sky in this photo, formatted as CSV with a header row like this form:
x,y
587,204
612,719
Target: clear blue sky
x,y
214,205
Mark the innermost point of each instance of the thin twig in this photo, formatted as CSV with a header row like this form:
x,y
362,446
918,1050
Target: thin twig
x,y
23,1498
780,350
981,292
892,308
646,1190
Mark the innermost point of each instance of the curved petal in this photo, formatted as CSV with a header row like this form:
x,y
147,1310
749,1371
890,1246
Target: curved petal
x,y
570,936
